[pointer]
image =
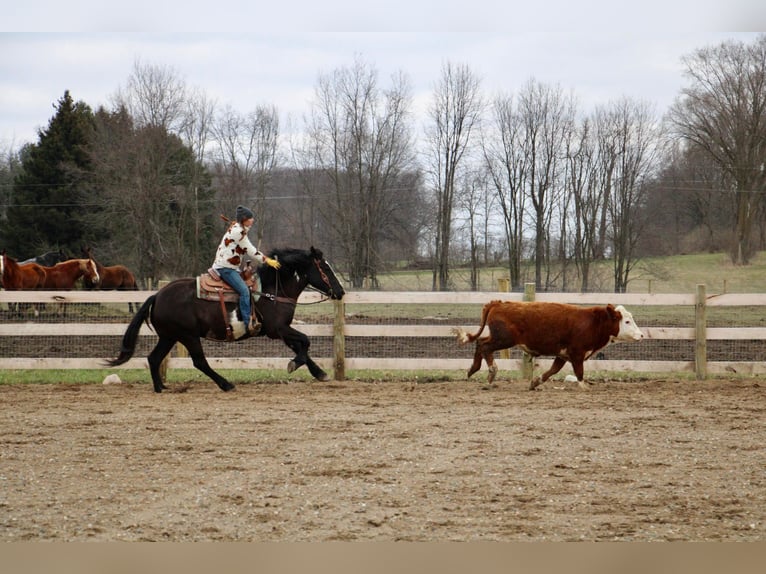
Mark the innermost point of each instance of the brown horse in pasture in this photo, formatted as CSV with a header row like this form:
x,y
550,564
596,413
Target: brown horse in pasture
x,y
111,277
64,275
14,276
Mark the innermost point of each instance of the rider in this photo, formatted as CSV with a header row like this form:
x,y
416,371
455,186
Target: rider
x,y
228,258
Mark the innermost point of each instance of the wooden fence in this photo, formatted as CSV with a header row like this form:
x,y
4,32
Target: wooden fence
x,y
340,331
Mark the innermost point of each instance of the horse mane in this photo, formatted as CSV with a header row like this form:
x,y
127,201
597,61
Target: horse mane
x,y
291,257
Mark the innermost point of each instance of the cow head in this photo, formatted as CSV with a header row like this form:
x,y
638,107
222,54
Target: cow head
x,y
629,331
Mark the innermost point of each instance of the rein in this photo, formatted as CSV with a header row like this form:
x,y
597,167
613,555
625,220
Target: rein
x,y
281,299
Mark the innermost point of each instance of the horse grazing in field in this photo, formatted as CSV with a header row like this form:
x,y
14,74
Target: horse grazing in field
x,y
178,314
64,275
14,276
48,259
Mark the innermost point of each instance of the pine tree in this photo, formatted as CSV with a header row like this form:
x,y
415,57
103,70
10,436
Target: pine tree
x,y
48,206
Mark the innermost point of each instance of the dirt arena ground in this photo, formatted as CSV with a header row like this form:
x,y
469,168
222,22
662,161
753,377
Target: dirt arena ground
x,y
405,460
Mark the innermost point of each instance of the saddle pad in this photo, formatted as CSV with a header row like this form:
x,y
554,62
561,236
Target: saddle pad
x,y
209,288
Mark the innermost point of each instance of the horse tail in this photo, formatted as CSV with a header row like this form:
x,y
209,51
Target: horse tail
x,y
130,337
463,337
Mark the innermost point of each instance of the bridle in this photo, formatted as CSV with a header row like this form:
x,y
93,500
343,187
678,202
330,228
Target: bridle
x,y
323,275
281,299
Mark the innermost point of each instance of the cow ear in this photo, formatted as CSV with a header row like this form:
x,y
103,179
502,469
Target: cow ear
x,y
611,311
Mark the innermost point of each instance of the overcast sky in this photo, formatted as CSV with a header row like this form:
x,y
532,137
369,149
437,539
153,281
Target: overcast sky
x,y
591,47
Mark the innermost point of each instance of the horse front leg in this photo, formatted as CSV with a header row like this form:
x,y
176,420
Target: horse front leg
x,y
300,344
194,346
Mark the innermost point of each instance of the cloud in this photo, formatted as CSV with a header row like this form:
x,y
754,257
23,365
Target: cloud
x,y
244,70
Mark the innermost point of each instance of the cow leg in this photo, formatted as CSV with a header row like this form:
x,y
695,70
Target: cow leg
x,y
160,351
477,358
489,357
485,349
579,370
557,365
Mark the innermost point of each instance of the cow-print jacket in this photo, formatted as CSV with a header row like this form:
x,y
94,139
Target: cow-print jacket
x,y
234,245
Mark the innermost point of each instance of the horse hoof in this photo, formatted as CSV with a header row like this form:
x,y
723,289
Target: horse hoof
x,y
323,378
291,366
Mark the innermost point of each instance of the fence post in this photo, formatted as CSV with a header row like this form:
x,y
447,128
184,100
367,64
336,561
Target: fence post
x,y
527,361
700,333
504,286
339,340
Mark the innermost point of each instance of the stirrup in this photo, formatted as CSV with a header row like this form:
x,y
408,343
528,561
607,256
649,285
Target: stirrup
x,y
254,327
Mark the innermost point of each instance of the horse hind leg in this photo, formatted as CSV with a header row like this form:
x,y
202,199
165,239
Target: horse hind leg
x,y
194,346
155,358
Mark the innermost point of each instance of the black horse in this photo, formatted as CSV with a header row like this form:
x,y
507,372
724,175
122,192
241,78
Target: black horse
x,y
48,259
178,315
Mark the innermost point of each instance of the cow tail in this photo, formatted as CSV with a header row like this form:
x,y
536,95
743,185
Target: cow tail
x,y
465,338
130,337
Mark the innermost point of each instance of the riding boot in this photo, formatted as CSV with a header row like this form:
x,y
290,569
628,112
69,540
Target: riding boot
x,y
254,326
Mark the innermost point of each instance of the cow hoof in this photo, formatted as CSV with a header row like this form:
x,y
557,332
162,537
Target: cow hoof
x,y
583,385
535,383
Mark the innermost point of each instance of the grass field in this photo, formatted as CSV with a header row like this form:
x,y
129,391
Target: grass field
x,y
676,274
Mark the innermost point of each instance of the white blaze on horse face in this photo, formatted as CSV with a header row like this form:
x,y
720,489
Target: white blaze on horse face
x,y
340,282
96,278
629,331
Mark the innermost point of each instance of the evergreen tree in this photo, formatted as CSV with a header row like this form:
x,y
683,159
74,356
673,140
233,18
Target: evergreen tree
x,y
48,210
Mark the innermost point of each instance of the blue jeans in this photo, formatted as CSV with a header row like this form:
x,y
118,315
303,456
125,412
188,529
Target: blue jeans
x,y
233,278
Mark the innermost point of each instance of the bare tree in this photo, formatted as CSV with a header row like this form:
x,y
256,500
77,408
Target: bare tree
x,y
588,197
358,161
150,183
632,155
723,113
455,111
154,95
245,159
196,131
687,209
507,166
547,117
475,201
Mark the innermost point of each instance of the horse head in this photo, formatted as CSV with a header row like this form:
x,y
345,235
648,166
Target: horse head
x,y
321,276
308,268
90,271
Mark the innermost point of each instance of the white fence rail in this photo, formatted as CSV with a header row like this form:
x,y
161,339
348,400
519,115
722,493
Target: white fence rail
x,y
340,331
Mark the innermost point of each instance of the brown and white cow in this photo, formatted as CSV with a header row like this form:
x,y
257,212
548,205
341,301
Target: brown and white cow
x,y
566,332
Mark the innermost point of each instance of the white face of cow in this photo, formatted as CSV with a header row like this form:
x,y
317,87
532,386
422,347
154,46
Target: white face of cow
x,y
629,331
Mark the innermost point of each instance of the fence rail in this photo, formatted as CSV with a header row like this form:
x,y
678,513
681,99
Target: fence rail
x,y
340,331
